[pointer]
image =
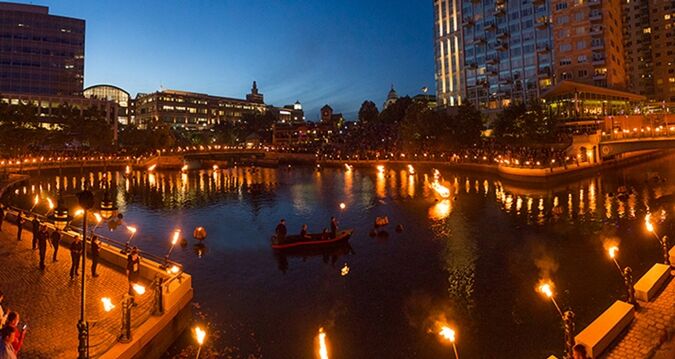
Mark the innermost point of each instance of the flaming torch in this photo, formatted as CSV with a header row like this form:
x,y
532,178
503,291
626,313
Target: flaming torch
x,y
200,335
547,290
626,274
411,170
174,240
612,254
662,241
448,334
323,347
36,200
567,318
380,169
131,230
51,206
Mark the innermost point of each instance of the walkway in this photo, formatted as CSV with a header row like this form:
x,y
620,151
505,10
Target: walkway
x,y
49,301
650,328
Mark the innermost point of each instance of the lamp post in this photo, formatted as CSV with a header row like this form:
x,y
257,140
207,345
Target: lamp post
x,y
449,334
626,274
86,201
127,304
662,241
567,318
200,335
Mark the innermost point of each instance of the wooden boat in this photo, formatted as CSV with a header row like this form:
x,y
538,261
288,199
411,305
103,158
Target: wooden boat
x,y
316,239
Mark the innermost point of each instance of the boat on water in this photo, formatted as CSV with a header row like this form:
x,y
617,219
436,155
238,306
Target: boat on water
x,y
314,240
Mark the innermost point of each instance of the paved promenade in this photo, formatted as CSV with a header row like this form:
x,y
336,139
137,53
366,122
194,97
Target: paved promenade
x,y
653,321
50,302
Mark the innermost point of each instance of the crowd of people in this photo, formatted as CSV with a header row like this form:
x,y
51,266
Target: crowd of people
x,y
12,336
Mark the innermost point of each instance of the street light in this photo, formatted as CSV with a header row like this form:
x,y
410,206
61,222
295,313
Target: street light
x,y
200,335
60,216
662,241
626,274
449,335
86,201
546,289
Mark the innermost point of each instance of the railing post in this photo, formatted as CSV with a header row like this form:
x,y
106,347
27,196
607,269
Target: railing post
x,y
125,337
158,285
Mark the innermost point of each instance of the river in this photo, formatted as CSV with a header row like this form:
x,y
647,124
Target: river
x,y
472,260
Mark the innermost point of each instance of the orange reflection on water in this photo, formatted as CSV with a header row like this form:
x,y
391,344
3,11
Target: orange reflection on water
x,y
380,185
441,210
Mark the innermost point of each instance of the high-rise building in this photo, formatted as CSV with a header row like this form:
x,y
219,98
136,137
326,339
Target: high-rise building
x,y
492,52
649,42
40,54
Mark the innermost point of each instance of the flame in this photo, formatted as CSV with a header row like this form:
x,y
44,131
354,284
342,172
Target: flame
x,y
447,334
36,200
348,167
98,217
152,168
174,269
546,289
411,170
107,304
343,205
648,222
441,190
127,169
345,270
79,212
612,251
215,167
50,203
138,288
440,210
323,348
380,169
200,334
132,229
176,235
184,168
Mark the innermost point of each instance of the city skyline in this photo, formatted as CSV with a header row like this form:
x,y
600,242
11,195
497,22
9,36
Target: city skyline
x,y
339,55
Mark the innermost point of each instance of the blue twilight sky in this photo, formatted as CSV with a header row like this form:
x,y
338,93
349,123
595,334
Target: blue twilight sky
x,y
339,52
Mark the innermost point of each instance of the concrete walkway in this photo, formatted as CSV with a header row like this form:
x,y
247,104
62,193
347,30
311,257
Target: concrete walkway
x,y
50,302
654,324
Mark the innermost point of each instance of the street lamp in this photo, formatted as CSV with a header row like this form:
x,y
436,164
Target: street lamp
x,y
567,318
86,201
449,335
200,335
60,216
626,274
662,241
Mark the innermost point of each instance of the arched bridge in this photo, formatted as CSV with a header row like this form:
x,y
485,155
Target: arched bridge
x,y
612,148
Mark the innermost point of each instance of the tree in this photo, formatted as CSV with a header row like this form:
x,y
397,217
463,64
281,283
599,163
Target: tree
x,y
525,124
396,112
368,112
466,125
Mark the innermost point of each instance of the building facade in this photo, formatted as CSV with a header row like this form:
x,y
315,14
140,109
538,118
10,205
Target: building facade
x,y
194,111
40,54
115,94
649,43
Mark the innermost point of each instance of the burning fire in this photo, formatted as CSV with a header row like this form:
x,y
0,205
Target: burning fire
x,y
441,190
323,348
131,229
612,251
50,203
176,235
648,222
152,168
79,212
184,168
545,289
343,205
98,217
36,200
138,288
200,334
348,167
380,169
447,334
411,170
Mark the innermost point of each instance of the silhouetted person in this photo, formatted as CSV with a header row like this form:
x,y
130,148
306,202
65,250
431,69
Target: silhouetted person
x,y
303,232
55,238
19,225
75,252
333,227
42,245
36,231
281,231
95,249
133,270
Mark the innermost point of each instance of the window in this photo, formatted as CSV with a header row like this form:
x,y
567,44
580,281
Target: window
x,y
565,61
564,33
566,76
563,20
581,45
561,5
647,30
580,30
579,16
565,47
581,59
582,73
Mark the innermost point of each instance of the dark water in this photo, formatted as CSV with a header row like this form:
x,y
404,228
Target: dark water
x,y
473,260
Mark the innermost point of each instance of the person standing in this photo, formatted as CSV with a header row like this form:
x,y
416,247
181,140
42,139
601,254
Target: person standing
x,y
281,231
19,225
133,270
75,252
42,245
19,336
333,227
95,249
36,231
55,239
2,216
6,349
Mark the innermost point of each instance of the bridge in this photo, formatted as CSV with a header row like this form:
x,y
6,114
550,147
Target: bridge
x,y
612,148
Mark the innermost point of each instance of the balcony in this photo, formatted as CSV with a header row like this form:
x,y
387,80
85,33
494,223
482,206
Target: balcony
x,y
502,35
500,11
596,29
595,16
479,41
543,49
542,22
468,22
502,46
544,73
492,61
503,81
597,44
598,61
490,27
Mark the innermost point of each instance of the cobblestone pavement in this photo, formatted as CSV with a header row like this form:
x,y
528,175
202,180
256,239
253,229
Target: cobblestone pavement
x,y
651,327
50,302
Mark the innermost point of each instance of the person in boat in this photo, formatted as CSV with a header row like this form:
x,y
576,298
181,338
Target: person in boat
x,y
281,231
303,232
333,227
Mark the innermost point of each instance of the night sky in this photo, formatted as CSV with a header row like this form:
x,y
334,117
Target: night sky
x,y
339,52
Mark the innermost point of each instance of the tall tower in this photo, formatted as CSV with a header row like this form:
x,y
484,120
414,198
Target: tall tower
x,y
392,97
448,45
255,96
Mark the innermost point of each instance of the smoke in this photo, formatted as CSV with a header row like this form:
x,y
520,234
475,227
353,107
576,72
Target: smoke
x,y
546,265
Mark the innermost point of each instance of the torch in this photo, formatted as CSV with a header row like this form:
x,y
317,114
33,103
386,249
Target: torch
x,y
174,240
449,335
131,230
626,274
567,318
36,200
662,241
200,335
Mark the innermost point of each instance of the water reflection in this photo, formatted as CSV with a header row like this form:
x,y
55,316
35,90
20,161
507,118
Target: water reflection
x,y
329,255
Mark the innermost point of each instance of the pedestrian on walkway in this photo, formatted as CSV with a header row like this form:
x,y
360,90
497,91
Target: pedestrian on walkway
x,y
36,231
75,252
6,348
2,216
55,239
3,315
19,336
95,249
19,225
43,238
133,270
